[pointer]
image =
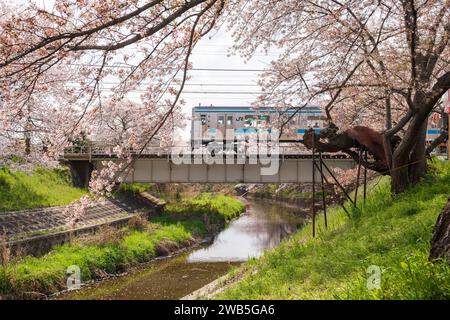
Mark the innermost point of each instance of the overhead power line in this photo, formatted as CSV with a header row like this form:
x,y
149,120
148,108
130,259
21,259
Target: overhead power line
x,y
224,92
199,84
193,92
168,68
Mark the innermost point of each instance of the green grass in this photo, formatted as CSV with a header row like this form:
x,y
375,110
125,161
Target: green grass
x,y
273,191
42,188
47,274
135,187
392,233
217,207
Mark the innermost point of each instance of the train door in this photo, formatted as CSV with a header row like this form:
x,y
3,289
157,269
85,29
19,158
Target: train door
x,y
238,126
264,122
302,125
198,129
292,127
250,123
221,125
229,123
211,126
238,121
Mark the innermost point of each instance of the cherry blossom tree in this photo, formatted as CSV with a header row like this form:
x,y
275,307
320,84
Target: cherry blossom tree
x,y
55,63
74,47
383,64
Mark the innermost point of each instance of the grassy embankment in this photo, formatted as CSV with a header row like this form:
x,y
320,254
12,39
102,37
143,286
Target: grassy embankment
x,y
391,232
291,193
114,251
41,188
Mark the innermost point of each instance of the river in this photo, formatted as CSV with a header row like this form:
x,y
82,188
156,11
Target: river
x,y
262,227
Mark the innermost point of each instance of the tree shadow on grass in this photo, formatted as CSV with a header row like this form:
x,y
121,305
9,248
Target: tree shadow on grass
x,y
16,194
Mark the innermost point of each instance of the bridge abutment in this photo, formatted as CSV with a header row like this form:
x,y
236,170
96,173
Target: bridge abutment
x,y
81,171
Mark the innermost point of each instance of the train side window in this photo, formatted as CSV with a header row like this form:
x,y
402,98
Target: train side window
x,y
203,119
229,120
220,120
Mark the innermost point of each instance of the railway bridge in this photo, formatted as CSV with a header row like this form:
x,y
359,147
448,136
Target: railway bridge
x,y
159,166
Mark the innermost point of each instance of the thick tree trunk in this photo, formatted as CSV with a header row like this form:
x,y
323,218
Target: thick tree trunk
x,y
399,173
440,243
418,161
409,158
27,144
27,135
28,128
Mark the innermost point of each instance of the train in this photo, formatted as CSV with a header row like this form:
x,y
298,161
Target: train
x,y
213,121
437,122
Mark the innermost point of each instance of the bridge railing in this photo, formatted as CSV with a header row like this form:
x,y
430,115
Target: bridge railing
x,y
109,150
89,151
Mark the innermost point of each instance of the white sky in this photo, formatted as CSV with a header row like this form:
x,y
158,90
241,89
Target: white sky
x,y
222,88
213,52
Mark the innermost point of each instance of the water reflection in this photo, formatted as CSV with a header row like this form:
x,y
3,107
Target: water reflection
x,y
263,227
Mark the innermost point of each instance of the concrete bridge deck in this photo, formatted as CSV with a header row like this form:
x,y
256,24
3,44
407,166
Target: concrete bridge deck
x,y
164,168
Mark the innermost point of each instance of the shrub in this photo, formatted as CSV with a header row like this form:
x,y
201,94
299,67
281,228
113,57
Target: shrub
x,y
135,187
137,222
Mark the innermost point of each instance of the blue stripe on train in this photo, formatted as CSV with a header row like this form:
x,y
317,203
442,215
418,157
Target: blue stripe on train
x,y
241,130
434,131
303,130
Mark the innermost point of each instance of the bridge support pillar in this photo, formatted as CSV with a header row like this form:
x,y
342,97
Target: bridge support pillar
x,y
81,171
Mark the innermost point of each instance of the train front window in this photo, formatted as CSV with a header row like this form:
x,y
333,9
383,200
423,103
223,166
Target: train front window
x,y
229,120
220,120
